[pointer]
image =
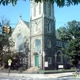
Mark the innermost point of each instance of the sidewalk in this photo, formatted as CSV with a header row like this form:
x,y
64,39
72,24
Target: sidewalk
x,y
57,75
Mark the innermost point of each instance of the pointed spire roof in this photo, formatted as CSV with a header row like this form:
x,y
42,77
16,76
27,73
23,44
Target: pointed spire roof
x,y
20,16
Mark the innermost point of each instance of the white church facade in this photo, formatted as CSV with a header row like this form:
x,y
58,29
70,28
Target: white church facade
x,y
37,38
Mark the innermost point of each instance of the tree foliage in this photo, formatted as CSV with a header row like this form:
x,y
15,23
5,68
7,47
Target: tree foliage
x,y
71,34
59,3
4,41
3,37
6,57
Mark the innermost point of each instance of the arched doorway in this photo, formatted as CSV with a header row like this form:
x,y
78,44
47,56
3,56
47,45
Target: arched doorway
x,y
36,60
59,57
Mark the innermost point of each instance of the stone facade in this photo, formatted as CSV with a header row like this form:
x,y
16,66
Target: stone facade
x,y
43,28
21,38
38,37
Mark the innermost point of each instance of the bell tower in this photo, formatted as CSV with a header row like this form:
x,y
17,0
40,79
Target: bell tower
x,y
42,36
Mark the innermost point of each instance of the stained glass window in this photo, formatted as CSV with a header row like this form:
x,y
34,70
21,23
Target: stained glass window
x,y
20,43
37,45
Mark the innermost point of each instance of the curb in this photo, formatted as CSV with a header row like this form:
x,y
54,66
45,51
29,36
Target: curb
x,y
58,75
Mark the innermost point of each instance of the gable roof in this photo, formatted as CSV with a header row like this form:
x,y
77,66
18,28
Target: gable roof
x,y
21,27
27,23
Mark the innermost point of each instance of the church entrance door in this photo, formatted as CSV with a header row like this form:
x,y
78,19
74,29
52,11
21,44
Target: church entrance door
x,y
36,60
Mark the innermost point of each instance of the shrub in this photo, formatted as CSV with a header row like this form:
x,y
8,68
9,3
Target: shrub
x,y
21,69
6,57
24,67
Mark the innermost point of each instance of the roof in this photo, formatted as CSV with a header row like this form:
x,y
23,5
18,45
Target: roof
x,y
27,23
12,29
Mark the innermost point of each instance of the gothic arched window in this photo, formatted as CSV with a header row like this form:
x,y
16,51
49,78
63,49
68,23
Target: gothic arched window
x,y
35,27
49,7
59,57
39,8
45,8
49,27
34,10
49,44
20,43
38,45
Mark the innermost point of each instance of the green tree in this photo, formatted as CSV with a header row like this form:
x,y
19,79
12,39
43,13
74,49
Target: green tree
x,y
70,33
59,3
6,57
4,41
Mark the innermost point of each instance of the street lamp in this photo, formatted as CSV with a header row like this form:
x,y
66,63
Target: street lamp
x,y
55,60
43,60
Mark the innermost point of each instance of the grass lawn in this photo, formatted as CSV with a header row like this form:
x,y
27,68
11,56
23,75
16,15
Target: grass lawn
x,y
57,71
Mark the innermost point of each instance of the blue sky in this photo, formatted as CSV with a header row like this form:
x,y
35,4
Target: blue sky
x,y
62,15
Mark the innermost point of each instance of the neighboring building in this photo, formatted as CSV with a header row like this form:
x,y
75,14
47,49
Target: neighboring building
x,y
37,38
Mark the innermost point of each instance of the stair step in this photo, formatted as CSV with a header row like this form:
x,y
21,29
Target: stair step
x,y
32,70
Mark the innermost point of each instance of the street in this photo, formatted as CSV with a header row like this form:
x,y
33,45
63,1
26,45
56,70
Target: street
x,y
29,78
22,76
37,79
11,78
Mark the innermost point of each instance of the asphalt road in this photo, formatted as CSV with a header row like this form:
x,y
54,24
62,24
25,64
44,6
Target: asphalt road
x,y
27,78
19,76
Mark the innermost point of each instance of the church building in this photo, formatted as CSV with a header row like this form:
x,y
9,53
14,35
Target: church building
x,y
37,38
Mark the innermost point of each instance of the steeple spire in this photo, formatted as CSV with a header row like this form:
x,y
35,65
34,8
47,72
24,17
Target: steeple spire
x,y
20,16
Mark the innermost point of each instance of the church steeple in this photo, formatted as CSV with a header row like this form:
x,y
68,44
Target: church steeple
x,y
42,31
20,16
40,9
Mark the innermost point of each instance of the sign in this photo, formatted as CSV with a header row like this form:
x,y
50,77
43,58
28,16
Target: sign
x,y
9,62
60,66
46,64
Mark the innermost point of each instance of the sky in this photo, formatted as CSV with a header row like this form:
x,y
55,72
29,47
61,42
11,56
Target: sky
x,y
62,15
